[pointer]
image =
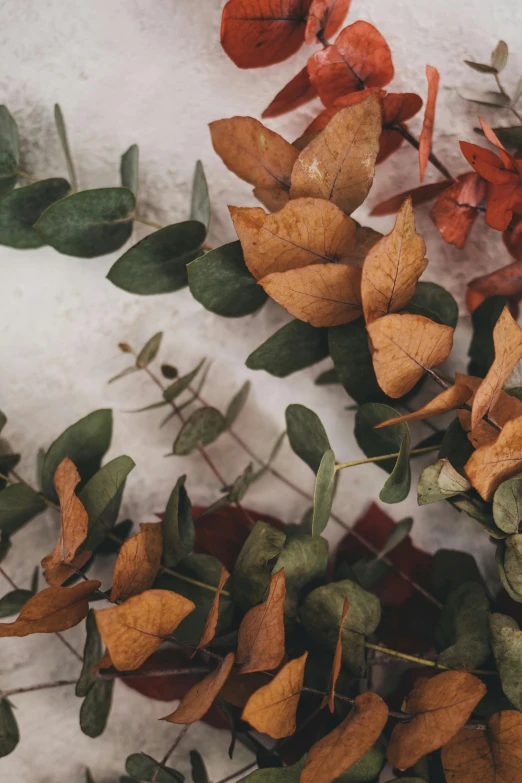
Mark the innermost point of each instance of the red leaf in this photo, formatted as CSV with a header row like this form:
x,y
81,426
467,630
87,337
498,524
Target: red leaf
x,y
418,196
503,200
322,120
426,136
512,238
359,58
454,211
486,163
325,16
264,32
400,106
298,91
389,142
506,281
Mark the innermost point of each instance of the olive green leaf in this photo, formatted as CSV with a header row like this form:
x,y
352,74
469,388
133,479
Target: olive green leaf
x,y
327,378
305,560
21,208
84,442
18,505
481,67
289,774
197,765
324,491
509,558
177,525
236,404
378,442
436,300
88,224
307,435
101,497
509,137
96,707
499,56
481,350
9,733
368,571
144,768
368,768
130,168
180,384
397,486
439,482
353,362
158,264
149,351
62,133
202,428
506,639
507,505
293,347
221,282
13,602
92,652
88,776
456,447
252,572
3,420
200,202
7,463
9,151
463,632
477,509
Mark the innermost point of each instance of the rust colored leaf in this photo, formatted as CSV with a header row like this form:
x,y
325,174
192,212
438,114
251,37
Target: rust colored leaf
x,y
201,696
339,164
325,17
507,339
272,199
389,142
506,281
306,231
491,464
320,294
348,742
492,756
392,267
486,163
271,709
261,639
322,120
398,107
505,409
418,196
264,32
209,631
441,706
337,659
53,609
446,401
297,92
512,238
254,153
455,209
503,201
74,523
138,562
404,347
426,135
133,630
359,58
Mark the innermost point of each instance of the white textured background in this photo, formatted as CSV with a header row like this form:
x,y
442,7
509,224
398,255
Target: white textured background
x,y
153,73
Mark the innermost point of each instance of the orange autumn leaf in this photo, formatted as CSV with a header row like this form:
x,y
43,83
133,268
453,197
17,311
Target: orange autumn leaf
x,y
272,199
51,610
487,164
506,408
491,756
494,462
322,120
506,281
512,238
201,696
325,17
397,107
209,631
392,267
503,201
455,209
272,708
261,637
297,92
135,629
441,706
426,135
74,524
337,659
510,162
418,196
138,562
507,339
348,742
365,239
339,164
360,57
306,231
446,401
258,34
404,347
320,294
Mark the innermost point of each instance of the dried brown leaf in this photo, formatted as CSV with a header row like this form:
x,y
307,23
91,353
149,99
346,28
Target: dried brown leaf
x,y
446,401
261,639
505,409
337,659
138,562
272,198
201,696
491,464
365,239
426,135
209,631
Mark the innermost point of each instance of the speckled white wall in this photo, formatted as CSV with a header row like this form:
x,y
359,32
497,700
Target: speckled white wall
x,y
153,73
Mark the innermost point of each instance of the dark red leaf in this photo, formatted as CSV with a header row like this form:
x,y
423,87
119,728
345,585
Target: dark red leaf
x,y
398,107
512,238
455,209
418,196
389,142
298,91
325,17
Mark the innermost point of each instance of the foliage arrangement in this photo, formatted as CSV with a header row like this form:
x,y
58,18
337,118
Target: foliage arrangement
x,y
249,623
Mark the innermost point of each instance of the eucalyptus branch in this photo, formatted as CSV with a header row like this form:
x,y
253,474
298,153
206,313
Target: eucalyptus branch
x,y
506,95
446,385
169,753
382,457
422,661
41,687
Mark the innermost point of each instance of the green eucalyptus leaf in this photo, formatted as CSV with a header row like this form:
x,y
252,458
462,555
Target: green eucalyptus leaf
x,y
327,378
90,223
451,569
9,733
158,264
440,481
101,497
62,133
130,168
507,505
481,67
485,97
305,560
200,202
436,299
123,373
477,509
306,435
169,371
96,707
5,546
367,769
499,56
197,765
179,534
21,208
7,463
9,151
509,137
3,420
85,443
481,350
221,282
456,447
144,767
13,602
397,486
324,491
506,639
237,404
88,776
353,362
378,442
92,653
253,568
18,505
180,384
293,347
289,774
202,428
149,351
463,631
513,563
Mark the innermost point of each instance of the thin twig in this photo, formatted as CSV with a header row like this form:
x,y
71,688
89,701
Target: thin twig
x,y
506,95
169,753
382,457
41,687
188,671
422,661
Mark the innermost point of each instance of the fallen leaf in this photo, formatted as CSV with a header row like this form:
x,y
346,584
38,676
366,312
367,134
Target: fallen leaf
x,y
325,17
359,58
489,465
138,562
298,91
348,742
404,347
392,267
272,708
74,523
306,231
51,610
320,294
426,135
209,631
337,659
339,164
455,209
261,637
418,196
201,696
444,402
505,409
441,706
133,630
490,756
507,339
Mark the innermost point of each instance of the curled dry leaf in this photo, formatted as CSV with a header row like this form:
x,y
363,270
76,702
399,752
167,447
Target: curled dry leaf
x,y
491,464
138,562
348,742
446,401
321,294
441,706
418,196
133,630
360,57
337,659
392,267
325,17
201,696
455,209
306,231
298,91
74,524
339,165
51,610
507,339
209,631
491,756
404,347
261,638
271,709
505,409
426,135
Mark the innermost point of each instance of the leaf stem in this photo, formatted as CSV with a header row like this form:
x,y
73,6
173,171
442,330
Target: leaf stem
x,y
169,753
422,661
238,772
191,581
147,222
506,95
423,450
25,175
41,687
